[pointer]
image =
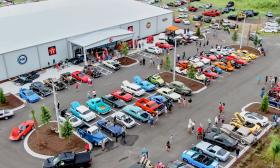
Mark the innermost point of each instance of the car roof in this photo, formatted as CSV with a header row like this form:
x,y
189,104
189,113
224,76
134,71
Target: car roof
x,y
82,108
92,128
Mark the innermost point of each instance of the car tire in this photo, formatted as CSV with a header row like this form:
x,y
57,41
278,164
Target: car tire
x,y
242,142
22,137
6,118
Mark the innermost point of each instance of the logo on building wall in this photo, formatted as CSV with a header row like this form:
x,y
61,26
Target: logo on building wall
x,y
22,59
148,25
164,19
110,39
52,50
130,28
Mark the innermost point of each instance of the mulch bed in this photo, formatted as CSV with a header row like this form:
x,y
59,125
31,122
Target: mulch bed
x,y
256,107
12,102
126,60
248,48
194,85
45,141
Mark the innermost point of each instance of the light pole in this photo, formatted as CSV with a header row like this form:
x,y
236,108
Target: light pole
x,y
174,59
56,111
242,34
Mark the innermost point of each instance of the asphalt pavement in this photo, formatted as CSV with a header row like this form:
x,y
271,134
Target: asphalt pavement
x,y
236,89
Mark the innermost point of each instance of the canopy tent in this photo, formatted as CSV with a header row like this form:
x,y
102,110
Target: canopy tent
x,y
172,28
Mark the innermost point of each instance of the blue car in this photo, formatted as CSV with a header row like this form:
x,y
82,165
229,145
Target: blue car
x,y
158,99
146,85
115,130
218,70
137,113
29,95
199,160
93,135
273,102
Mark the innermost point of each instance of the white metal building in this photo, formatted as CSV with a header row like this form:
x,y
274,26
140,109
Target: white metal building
x,y
35,34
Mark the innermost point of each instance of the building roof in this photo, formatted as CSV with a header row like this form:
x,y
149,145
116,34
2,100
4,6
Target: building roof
x,y
31,24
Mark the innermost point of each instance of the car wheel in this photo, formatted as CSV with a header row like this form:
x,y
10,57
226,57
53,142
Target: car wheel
x,y
22,137
6,118
242,142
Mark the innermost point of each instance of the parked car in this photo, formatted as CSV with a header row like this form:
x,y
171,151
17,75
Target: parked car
x,y
123,119
18,133
26,78
212,13
169,93
122,95
132,88
115,130
77,60
164,45
29,95
212,150
230,4
255,118
146,85
150,106
80,76
92,71
180,88
81,111
182,15
159,99
196,62
207,19
113,101
223,66
269,14
97,105
112,64
58,85
197,18
93,135
137,113
74,121
154,50
210,74
67,78
177,20
182,9
156,80
199,76
215,26
199,160
186,22
177,164
6,114
40,89
192,9
68,159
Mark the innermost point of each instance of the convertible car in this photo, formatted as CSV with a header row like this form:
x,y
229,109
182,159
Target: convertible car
x,y
113,129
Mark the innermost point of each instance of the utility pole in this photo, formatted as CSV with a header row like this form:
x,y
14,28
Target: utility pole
x,y
174,59
242,34
56,111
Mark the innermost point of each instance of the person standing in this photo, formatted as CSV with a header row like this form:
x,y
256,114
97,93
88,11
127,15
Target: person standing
x,y
275,79
103,145
216,120
89,95
151,61
209,122
190,101
184,102
237,150
144,61
168,146
93,93
190,126
193,124
266,79
165,110
262,92
123,137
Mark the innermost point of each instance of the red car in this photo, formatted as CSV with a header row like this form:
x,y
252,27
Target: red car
x,y
177,20
210,74
211,13
80,76
192,9
148,105
122,95
22,130
236,59
164,45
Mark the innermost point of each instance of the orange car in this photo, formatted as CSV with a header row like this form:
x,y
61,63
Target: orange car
x,y
183,64
223,66
148,105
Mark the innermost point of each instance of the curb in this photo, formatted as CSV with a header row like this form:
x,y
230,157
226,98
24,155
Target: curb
x,y
127,66
243,108
200,90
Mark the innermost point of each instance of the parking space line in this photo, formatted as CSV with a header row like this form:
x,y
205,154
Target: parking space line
x,y
241,145
231,155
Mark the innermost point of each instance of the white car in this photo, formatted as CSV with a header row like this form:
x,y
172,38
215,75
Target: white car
x,y
183,9
183,15
196,62
85,113
112,64
271,24
124,119
74,121
269,30
132,88
181,71
169,93
213,150
194,38
6,114
154,50
205,60
164,6
186,22
255,118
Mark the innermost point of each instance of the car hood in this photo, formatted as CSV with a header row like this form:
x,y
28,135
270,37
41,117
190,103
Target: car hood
x,y
250,139
100,135
120,103
33,97
175,95
14,132
160,81
48,163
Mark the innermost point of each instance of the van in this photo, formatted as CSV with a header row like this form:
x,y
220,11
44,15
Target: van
x,y
132,88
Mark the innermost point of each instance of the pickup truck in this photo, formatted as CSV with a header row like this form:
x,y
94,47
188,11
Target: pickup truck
x,y
68,159
6,114
93,135
150,106
98,106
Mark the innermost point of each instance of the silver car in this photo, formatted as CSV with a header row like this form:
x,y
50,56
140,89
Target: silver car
x,y
6,114
213,150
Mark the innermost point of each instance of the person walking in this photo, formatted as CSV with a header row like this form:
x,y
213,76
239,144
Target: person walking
x,y
190,126
193,124
151,61
171,138
262,92
184,102
168,146
123,137
77,86
207,42
209,122
103,145
275,79
89,95
93,92
190,101
145,152
221,108
216,120
87,147
165,110
237,150
266,79
144,61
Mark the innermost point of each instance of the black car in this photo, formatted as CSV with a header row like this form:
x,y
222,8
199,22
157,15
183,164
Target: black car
x,y
67,78
27,78
197,18
232,17
225,10
215,137
113,101
92,71
40,89
235,65
77,60
207,19
230,4
68,160
250,13
58,85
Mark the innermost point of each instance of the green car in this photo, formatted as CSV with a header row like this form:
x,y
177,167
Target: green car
x,y
156,80
180,88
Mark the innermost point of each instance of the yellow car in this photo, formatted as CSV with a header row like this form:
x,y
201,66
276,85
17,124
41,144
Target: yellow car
x,y
239,121
248,59
243,51
252,56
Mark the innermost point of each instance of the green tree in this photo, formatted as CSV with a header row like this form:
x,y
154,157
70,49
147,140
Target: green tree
x,y
234,36
124,48
256,41
274,148
34,118
2,97
45,115
198,32
265,103
67,130
191,72
167,63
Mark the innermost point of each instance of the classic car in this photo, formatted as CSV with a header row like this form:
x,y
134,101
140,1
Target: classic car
x,y
177,164
81,111
164,45
184,64
92,71
146,85
223,66
192,9
156,80
123,119
216,69
29,95
199,160
150,106
74,121
40,89
67,78
154,49
112,64
137,113
114,129
6,114
113,101
22,130
209,73
80,76
199,76
122,95
97,105
58,85
177,20
197,18
180,88
27,78
132,88
93,135
212,13
169,93
255,118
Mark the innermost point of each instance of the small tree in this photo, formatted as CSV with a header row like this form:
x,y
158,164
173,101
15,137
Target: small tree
x,y
191,72
67,130
265,103
45,115
256,41
198,32
234,36
167,63
124,48
34,118
274,148
2,96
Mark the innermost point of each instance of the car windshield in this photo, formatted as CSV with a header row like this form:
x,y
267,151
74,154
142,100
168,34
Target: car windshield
x,y
74,119
145,115
221,152
56,160
138,89
28,93
260,117
86,112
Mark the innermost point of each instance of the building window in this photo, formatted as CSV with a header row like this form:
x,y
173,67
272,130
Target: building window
x,y
130,28
52,50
